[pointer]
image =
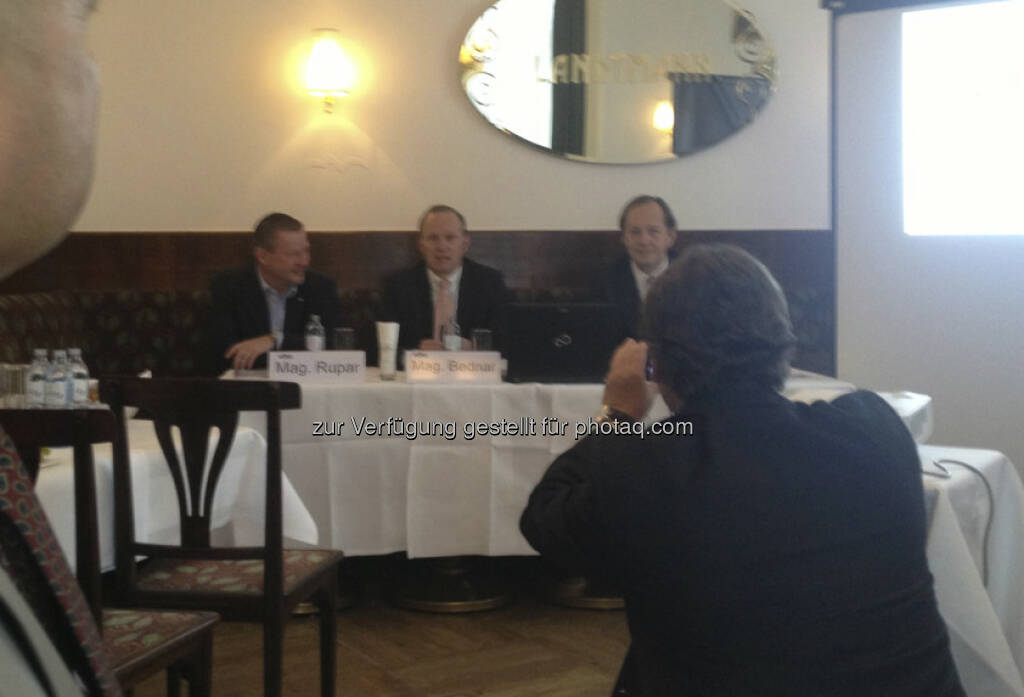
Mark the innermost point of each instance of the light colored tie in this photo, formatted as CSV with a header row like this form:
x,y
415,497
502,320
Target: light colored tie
x,y
444,309
645,285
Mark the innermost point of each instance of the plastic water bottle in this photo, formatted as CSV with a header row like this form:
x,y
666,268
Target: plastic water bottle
x,y
451,336
79,376
57,381
314,334
35,388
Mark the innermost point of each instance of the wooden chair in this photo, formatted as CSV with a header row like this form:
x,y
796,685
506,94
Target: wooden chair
x,y
138,643
260,584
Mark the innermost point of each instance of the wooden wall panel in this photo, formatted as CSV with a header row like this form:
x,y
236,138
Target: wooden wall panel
x,y
802,260
529,259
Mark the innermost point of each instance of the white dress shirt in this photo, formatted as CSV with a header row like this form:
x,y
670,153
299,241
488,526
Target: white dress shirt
x,y
276,307
644,280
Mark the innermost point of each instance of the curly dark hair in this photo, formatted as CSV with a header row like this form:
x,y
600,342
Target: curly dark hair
x,y
717,316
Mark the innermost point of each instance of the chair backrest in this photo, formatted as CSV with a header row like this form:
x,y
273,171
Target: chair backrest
x,y
30,553
196,406
32,429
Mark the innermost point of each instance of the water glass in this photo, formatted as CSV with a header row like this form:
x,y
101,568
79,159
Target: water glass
x,y
12,385
483,340
344,339
387,343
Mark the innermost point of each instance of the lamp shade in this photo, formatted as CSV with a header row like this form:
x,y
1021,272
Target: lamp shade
x,y
329,72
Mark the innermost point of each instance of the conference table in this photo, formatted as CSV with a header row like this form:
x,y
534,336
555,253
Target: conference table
x,y
446,489
976,554
238,508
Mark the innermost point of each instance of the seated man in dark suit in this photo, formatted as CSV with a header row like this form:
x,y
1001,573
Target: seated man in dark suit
x,y
648,234
763,547
265,306
445,285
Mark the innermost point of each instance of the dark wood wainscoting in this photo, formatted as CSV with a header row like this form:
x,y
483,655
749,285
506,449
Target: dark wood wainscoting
x,y
802,260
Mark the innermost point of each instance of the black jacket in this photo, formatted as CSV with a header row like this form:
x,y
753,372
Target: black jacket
x,y
238,311
616,284
778,551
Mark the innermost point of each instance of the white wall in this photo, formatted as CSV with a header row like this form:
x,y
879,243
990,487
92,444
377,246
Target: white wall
x,y
944,316
204,127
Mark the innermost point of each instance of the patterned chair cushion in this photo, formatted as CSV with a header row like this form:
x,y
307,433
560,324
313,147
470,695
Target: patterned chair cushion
x,y
38,320
130,635
19,506
243,576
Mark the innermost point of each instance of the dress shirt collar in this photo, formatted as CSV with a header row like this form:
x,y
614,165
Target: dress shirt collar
x,y
267,288
643,279
453,279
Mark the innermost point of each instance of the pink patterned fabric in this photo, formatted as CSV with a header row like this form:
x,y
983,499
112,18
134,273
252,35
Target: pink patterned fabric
x,y
130,635
18,502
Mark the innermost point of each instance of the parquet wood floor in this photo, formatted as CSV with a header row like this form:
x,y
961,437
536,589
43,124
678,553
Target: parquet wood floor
x,y
526,649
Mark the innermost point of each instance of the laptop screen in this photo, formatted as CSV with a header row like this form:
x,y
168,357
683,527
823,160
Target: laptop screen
x,y
563,342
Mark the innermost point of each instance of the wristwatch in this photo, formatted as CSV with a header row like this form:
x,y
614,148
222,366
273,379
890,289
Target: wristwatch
x,y
608,413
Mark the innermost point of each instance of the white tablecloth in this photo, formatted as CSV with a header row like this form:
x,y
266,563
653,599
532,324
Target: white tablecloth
x,y
453,492
985,619
240,497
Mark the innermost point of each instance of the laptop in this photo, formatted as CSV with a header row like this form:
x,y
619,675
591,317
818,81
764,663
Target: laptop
x,y
563,342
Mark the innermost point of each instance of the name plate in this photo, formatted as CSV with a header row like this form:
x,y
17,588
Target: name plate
x,y
453,366
339,367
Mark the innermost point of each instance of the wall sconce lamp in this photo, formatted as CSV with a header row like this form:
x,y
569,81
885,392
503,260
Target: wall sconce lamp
x,y
329,72
664,118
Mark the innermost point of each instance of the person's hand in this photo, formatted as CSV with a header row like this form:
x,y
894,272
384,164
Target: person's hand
x,y
244,353
625,386
431,345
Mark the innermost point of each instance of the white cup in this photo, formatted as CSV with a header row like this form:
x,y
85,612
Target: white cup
x,y
12,385
387,344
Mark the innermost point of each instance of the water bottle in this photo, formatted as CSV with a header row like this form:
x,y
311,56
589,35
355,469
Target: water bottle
x,y
57,381
314,334
35,388
79,377
451,336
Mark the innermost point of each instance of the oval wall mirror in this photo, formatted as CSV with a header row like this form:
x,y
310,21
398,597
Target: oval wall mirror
x,y
618,81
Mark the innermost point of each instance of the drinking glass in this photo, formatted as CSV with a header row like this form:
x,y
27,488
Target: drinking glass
x,y
344,339
387,344
13,381
483,340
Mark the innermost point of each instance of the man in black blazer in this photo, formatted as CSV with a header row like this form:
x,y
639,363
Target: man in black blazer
x,y
265,305
648,234
763,547
474,291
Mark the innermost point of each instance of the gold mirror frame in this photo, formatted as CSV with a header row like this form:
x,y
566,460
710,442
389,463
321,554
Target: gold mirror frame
x,y
618,81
